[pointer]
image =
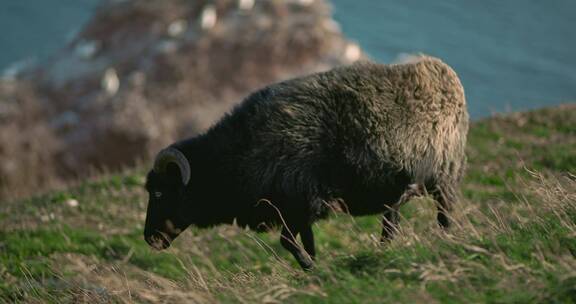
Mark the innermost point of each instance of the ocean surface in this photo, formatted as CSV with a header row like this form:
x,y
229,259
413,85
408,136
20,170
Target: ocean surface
x,y
511,55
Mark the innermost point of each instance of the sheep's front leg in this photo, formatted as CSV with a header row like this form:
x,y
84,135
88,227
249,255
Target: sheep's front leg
x,y
288,241
307,237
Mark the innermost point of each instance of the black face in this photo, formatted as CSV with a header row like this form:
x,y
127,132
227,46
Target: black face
x,y
165,217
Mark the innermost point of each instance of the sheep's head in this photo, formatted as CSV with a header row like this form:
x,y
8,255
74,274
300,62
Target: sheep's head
x,y
166,184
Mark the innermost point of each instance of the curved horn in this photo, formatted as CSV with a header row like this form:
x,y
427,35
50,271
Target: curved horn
x,y
173,155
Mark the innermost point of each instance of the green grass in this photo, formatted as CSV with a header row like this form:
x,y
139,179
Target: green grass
x,y
514,239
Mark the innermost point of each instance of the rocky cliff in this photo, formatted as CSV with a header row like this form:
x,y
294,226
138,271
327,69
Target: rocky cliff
x,y
143,73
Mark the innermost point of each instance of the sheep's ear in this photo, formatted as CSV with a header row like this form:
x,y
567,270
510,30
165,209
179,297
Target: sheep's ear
x,y
174,174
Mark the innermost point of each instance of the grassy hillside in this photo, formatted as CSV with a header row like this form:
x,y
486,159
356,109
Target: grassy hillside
x,y
514,240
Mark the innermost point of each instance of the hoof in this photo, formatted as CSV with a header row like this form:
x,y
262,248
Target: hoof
x,y
307,264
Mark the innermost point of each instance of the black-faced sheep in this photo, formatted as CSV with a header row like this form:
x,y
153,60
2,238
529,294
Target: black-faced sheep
x,y
366,137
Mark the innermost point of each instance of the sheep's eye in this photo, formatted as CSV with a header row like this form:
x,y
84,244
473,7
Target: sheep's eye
x,y
157,194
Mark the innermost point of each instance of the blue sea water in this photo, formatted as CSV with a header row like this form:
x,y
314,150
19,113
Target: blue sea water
x,y
31,30
511,55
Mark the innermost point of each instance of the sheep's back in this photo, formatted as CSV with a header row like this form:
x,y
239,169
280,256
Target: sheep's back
x,y
428,135
366,120
389,118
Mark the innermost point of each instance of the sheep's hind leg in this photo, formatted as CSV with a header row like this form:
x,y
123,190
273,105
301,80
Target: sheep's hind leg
x,y
288,241
389,223
392,217
445,198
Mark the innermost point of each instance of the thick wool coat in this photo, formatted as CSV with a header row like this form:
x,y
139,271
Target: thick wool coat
x,y
353,138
